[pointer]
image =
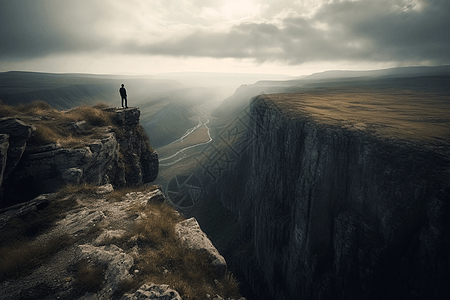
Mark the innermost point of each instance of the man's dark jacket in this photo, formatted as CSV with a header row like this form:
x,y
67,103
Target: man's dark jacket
x,y
123,92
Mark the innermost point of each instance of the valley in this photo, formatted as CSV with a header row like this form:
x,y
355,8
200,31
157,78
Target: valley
x,y
194,137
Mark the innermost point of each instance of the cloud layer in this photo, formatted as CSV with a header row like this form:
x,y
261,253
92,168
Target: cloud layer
x,y
292,32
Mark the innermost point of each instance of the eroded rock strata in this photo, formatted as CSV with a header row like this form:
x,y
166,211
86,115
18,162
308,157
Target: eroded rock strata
x,y
122,159
342,203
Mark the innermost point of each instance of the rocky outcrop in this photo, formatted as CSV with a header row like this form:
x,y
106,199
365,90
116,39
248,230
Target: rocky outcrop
x,y
96,227
121,157
138,163
52,166
339,212
193,237
117,264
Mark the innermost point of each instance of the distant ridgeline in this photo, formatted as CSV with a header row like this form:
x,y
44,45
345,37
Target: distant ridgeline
x,y
42,149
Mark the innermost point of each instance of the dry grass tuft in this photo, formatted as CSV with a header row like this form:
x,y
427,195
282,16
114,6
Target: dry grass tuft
x,y
57,126
88,278
158,226
6,110
95,117
45,134
101,105
126,286
84,189
36,107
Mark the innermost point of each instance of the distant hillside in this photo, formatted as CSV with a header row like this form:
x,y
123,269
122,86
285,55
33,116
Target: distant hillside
x,y
424,79
392,72
64,91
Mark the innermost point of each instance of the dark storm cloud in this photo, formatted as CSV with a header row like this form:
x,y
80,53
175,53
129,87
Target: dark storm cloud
x,y
390,32
378,31
30,28
241,41
365,30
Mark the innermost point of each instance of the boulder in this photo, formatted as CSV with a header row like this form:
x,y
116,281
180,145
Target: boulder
x,y
72,175
116,262
107,236
105,189
193,237
155,196
21,209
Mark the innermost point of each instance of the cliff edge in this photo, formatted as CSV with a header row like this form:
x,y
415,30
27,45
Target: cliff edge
x,y
43,149
344,196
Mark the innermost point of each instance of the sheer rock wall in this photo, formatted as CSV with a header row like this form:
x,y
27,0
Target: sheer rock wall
x,y
328,212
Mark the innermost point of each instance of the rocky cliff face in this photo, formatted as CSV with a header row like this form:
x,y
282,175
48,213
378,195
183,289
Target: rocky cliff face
x,y
137,154
340,210
122,158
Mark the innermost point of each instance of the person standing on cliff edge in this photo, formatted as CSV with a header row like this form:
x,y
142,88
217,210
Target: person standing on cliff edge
x,y
123,94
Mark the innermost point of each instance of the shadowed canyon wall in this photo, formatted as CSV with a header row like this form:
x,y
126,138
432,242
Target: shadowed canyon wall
x,y
329,211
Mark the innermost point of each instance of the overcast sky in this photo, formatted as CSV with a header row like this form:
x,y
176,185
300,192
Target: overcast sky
x,y
258,36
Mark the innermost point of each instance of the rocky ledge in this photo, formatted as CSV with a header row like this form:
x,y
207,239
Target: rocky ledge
x,y
121,156
100,248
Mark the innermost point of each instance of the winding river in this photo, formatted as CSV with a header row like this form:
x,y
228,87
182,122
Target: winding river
x,y
182,151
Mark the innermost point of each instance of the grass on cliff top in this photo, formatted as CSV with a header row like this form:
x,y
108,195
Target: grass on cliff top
x,y
58,126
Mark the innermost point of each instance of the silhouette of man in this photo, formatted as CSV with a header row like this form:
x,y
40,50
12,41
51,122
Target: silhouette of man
x,y
123,94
